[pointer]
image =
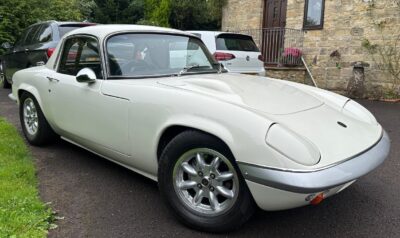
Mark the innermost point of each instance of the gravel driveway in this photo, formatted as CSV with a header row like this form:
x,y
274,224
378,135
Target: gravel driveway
x,y
101,199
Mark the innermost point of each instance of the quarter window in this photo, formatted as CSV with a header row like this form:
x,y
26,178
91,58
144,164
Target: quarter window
x,y
314,14
80,53
45,34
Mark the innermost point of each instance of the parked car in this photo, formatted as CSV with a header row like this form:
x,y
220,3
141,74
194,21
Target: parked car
x,y
155,101
237,52
34,47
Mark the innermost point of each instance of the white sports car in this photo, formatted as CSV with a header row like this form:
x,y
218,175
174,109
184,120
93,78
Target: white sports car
x,y
155,101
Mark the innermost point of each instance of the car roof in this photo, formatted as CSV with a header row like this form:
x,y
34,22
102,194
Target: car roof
x,y
102,31
60,23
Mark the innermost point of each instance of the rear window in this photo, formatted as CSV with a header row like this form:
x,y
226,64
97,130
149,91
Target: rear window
x,y
64,29
235,42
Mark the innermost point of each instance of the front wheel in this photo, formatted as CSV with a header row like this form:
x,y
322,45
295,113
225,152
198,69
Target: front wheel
x,y
34,125
202,184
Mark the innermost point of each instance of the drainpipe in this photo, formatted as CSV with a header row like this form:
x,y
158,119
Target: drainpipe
x,y
356,86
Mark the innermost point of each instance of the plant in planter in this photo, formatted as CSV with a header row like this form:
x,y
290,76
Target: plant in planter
x,y
291,56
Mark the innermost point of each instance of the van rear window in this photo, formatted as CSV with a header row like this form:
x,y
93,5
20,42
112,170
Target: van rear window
x,y
64,29
236,42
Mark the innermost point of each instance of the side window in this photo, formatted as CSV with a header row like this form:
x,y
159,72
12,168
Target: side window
x,y
44,34
79,53
23,36
31,38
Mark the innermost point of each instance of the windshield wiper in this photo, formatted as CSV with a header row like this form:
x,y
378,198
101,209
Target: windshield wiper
x,y
195,66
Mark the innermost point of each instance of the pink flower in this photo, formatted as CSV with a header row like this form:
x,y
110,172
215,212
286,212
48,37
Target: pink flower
x,y
293,52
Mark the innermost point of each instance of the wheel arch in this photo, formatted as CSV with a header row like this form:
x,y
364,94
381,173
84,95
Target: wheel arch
x,y
172,130
29,89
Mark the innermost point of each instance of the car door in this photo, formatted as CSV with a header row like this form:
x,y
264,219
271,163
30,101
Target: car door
x,y
79,110
16,58
38,45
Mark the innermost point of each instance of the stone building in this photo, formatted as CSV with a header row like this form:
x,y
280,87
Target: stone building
x,y
332,35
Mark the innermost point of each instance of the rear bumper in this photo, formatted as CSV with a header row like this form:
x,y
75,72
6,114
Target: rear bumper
x,y
264,181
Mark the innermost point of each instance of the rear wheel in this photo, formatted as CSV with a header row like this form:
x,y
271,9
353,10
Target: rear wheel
x,y
202,184
3,80
34,125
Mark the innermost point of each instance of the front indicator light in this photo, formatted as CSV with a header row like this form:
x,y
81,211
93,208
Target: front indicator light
x,y
318,199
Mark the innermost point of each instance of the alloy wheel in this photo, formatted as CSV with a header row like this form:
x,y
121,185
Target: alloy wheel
x,y
206,181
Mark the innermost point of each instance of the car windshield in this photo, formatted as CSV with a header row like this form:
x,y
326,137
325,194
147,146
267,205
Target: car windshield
x,y
236,42
151,55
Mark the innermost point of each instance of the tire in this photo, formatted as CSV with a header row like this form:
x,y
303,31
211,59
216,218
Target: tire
x,y
34,125
3,80
180,176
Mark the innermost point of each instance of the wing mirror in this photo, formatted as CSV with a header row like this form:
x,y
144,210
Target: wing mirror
x,y
6,45
86,75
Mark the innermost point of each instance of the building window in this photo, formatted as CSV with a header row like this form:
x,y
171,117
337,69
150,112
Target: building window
x,y
314,14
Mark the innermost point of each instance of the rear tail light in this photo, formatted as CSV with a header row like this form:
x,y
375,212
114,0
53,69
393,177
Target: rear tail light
x,y
219,56
261,58
50,51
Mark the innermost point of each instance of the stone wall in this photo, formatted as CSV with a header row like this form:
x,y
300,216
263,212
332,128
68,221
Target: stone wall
x,y
242,15
287,73
347,23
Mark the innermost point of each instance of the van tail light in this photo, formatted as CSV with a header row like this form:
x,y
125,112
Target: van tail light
x,y
50,51
261,58
219,56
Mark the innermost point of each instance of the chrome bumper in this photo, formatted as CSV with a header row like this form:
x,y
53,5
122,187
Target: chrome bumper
x,y
319,180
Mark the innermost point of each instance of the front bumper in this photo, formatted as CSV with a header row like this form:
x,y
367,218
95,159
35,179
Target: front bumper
x,y
308,182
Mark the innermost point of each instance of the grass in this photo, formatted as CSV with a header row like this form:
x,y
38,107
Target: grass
x,y
22,214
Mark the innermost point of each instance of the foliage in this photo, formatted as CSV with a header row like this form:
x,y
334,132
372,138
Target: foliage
x,y
201,15
114,11
22,214
157,12
385,52
15,15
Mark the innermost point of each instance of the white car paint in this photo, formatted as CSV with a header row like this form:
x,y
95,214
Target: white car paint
x,y
244,61
123,120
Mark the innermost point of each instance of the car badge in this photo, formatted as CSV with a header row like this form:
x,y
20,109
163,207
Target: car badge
x,y
248,58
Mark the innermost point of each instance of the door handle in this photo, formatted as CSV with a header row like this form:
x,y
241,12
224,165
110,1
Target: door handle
x,y
53,79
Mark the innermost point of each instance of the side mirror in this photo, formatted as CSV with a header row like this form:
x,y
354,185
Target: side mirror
x,y
86,75
6,45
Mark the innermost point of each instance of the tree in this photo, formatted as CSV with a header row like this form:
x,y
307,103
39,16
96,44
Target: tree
x,y
117,11
15,15
198,15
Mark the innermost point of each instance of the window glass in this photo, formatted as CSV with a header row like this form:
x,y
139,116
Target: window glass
x,y
139,55
32,35
64,29
236,42
314,14
24,35
45,34
80,53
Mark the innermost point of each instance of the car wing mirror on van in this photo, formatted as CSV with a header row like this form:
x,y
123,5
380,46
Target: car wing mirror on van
x,y
86,75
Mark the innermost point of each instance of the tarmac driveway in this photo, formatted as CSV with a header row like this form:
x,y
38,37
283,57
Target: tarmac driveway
x,y
101,199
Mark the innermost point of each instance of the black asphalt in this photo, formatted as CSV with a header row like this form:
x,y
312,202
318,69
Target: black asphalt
x,y
101,199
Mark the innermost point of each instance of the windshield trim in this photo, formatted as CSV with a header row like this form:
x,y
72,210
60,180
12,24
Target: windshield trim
x,y
184,34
